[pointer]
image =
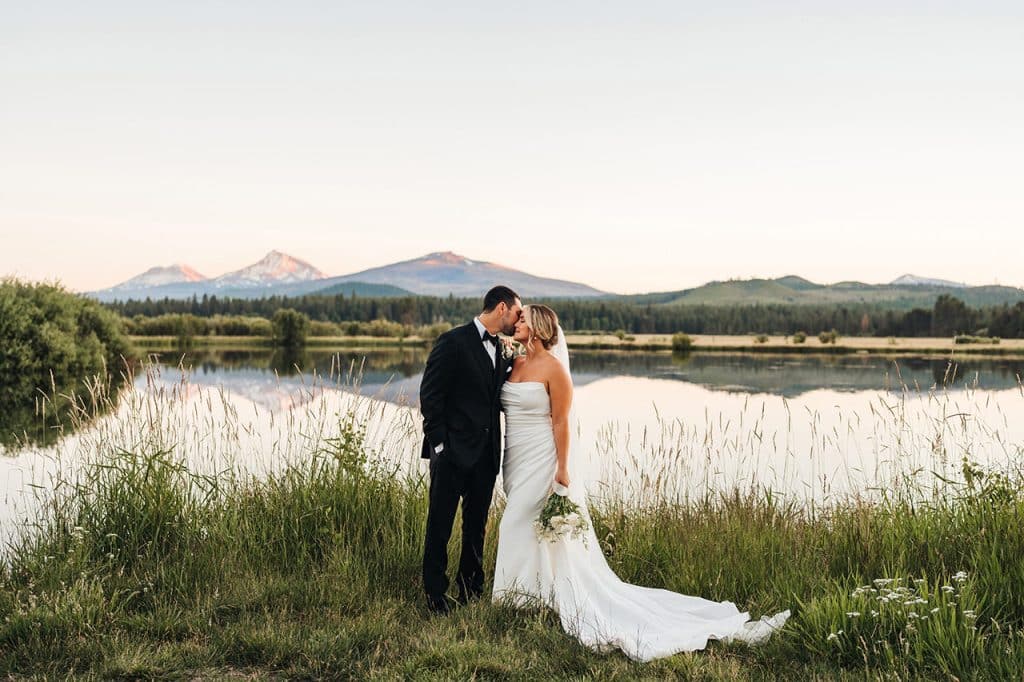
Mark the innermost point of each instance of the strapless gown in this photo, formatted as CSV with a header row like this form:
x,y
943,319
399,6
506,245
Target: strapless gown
x,y
572,577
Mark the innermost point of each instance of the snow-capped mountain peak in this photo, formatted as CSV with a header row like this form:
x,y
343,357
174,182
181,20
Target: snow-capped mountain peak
x,y
447,258
915,281
274,268
160,275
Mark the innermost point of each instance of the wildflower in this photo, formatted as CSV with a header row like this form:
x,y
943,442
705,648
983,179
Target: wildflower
x,y
874,614
935,610
852,614
833,637
947,589
913,615
918,581
960,576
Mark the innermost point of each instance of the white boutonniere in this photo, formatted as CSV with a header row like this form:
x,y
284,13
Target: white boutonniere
x,y
510,348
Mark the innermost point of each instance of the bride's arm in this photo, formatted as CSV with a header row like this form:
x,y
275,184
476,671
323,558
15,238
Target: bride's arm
x,y
560,390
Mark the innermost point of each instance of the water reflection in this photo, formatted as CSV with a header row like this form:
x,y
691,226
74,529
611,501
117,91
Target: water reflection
x,y
44,418
792,375
395,374
274,379
814,426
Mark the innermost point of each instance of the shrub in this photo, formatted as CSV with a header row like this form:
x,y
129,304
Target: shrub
x,y
432,331
828,337
239,325
968,338
51,340
761,338
320,328
379,328
799,337
681,343
290,328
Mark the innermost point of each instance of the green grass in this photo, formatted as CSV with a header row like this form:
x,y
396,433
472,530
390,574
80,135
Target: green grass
x,y
141,568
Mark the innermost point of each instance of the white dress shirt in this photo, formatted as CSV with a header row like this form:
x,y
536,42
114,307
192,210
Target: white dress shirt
x,y
489,346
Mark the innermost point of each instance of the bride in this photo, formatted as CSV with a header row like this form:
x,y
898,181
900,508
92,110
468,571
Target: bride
x,y
571,576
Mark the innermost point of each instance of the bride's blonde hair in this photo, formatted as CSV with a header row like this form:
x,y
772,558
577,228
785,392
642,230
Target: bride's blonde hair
x,y
543,324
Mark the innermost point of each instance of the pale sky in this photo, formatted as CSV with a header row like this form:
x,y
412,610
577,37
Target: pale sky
x,y
634,146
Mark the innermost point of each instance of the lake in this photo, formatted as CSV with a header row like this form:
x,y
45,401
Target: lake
x,y
651,425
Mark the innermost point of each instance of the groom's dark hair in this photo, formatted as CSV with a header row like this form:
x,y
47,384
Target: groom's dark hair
x,y
499,294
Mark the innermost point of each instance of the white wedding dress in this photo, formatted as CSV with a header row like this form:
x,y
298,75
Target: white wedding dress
x,y
572,577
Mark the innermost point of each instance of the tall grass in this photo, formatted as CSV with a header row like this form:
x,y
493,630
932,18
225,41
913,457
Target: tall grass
x,y
142,564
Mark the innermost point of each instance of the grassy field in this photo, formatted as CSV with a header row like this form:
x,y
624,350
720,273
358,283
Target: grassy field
x,y
139,568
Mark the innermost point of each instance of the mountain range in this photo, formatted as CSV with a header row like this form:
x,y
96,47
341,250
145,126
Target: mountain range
x,y
443,273
278,274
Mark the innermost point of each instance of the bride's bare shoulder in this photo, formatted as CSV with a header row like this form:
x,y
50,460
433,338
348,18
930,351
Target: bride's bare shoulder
x,y
554,369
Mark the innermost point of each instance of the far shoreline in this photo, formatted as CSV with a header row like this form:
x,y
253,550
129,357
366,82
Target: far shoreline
x,y
702,343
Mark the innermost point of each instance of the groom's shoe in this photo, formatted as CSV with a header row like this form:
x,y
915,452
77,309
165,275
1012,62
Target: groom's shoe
x,y
439,606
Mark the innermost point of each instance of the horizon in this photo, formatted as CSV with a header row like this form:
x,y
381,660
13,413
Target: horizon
x,y
328,275
631,147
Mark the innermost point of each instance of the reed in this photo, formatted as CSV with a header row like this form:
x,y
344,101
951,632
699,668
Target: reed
x,y
158,554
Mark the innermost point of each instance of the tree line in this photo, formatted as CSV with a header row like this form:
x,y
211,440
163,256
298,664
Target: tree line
x,y
947,317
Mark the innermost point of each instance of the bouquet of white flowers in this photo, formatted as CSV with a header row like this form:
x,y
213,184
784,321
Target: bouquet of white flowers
x,y
561,518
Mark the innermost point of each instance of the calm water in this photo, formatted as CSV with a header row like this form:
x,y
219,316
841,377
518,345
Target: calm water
x,y
818,427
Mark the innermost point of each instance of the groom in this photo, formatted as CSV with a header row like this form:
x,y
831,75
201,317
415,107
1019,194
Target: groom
x,y
462,440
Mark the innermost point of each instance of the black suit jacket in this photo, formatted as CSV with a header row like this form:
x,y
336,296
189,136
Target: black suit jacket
x,y
459,398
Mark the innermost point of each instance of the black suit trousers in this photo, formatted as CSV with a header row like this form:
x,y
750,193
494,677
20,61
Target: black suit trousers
x,y
449,483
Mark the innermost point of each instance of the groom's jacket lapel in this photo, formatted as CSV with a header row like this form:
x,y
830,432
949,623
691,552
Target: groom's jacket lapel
x,y
479,353
501,370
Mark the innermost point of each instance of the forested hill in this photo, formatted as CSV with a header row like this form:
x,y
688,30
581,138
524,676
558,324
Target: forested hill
x,y
793,290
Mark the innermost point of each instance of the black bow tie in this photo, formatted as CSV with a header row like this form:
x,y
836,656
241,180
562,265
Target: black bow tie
x,y
489,337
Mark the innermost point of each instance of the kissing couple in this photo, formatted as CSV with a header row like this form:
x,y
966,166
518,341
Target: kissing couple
x,y
471,375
